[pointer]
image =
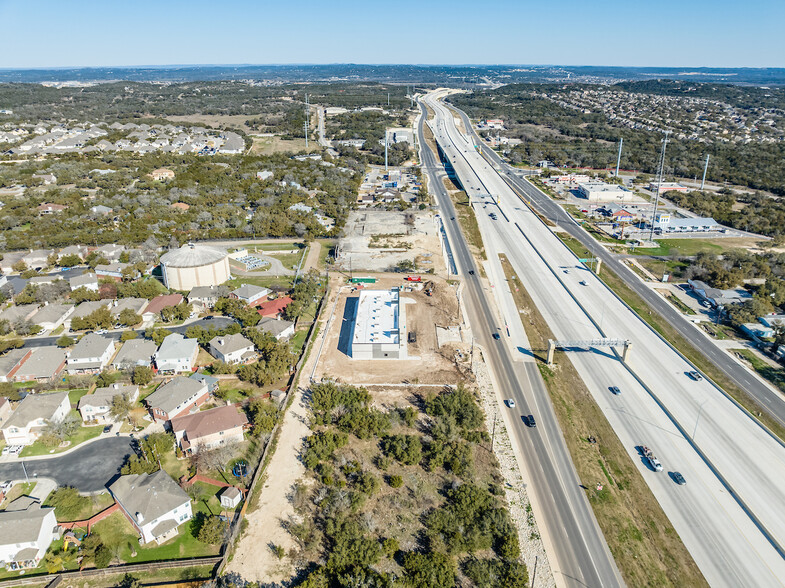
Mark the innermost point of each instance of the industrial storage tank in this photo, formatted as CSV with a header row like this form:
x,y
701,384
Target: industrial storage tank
x,y
194,265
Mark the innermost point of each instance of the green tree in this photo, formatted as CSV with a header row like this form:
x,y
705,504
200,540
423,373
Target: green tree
x,y
68,503
120,407
64,341
128,335
128,318
211,529
83,294
434,570
142,375
263,415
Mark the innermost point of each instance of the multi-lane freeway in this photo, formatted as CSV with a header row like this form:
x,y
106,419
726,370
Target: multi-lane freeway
x,y
578,553
768,399
730,513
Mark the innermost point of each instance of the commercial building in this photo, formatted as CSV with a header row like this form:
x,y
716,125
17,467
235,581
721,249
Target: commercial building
x,y
379,326
194,265
668,187
665,223
602,192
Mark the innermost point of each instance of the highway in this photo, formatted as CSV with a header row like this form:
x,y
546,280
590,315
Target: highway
x,y
578,553
730,513
767,398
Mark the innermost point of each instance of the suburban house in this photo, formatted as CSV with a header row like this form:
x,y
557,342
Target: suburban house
x,y
278,328
112,270
206,296
274,308
207,429
87,308
5,409
230,497
25,424
88,280
51,316
110,251
19,313
95,407
50,208
79,250
250,294
162,174
11,361
26,534
179,395
232,349
133,304
43,365
157,304
210,381
154,503
135,352
176,354
90,355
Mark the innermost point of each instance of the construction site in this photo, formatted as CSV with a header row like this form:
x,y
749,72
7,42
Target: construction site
x,y
380,240
433,347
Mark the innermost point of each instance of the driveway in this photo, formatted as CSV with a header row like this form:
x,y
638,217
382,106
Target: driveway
x,y
88,469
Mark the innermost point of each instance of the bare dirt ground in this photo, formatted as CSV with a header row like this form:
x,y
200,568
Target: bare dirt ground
x,y
254,558
427,364
395,241
271,145
312,260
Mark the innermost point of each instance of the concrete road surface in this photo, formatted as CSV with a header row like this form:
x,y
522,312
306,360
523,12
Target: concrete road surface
x,y
576,548
725,514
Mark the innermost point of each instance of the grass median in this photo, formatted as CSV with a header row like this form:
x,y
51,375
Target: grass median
x,y
646,547
664,328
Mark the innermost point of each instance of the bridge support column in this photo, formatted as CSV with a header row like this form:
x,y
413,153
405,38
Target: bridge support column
x,y
626,350
599,265
551,349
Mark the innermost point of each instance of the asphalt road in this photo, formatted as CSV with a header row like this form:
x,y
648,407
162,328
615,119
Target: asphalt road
x,y
88,468
769,400
724,514
576,547
219,322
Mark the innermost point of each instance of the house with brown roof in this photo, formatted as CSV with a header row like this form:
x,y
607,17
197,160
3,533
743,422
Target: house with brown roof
x,y
208,429
157,304
181,206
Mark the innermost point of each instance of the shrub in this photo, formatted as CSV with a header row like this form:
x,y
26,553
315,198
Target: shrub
x,y
320,446
489,573
407,449
395,481
434,570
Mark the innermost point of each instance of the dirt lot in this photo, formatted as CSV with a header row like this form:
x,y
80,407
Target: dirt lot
x,y
271,145
379,239
426,365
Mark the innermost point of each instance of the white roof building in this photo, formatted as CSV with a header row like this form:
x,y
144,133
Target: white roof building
x,y
602,192
380,326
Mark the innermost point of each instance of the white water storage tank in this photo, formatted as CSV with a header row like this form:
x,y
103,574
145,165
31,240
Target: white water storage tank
x,y
194,265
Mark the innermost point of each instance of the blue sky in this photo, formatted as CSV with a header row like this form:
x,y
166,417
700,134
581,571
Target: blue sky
x,y
46,33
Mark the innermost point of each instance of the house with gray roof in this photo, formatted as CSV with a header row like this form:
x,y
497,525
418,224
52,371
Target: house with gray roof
x,y
22,312
177,396
11,361
51,316
31,416
135,352
44,364
134,304
79,250
210,381
278,328
232,349
206,296
154,504
177,354
88,280
111,270
90,355
89,307
111,251
25,535
250,294
95,408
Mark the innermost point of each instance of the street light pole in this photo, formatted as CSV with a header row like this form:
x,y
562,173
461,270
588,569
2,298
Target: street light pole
x,y
659,185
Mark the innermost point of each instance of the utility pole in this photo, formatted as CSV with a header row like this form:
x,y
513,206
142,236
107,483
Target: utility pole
x,y
705,168
388,98
659,184
618,159
385,149
307,113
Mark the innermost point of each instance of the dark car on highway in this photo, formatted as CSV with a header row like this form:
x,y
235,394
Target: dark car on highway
x,y
529,420
496,336
695,376
615,390
678,478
